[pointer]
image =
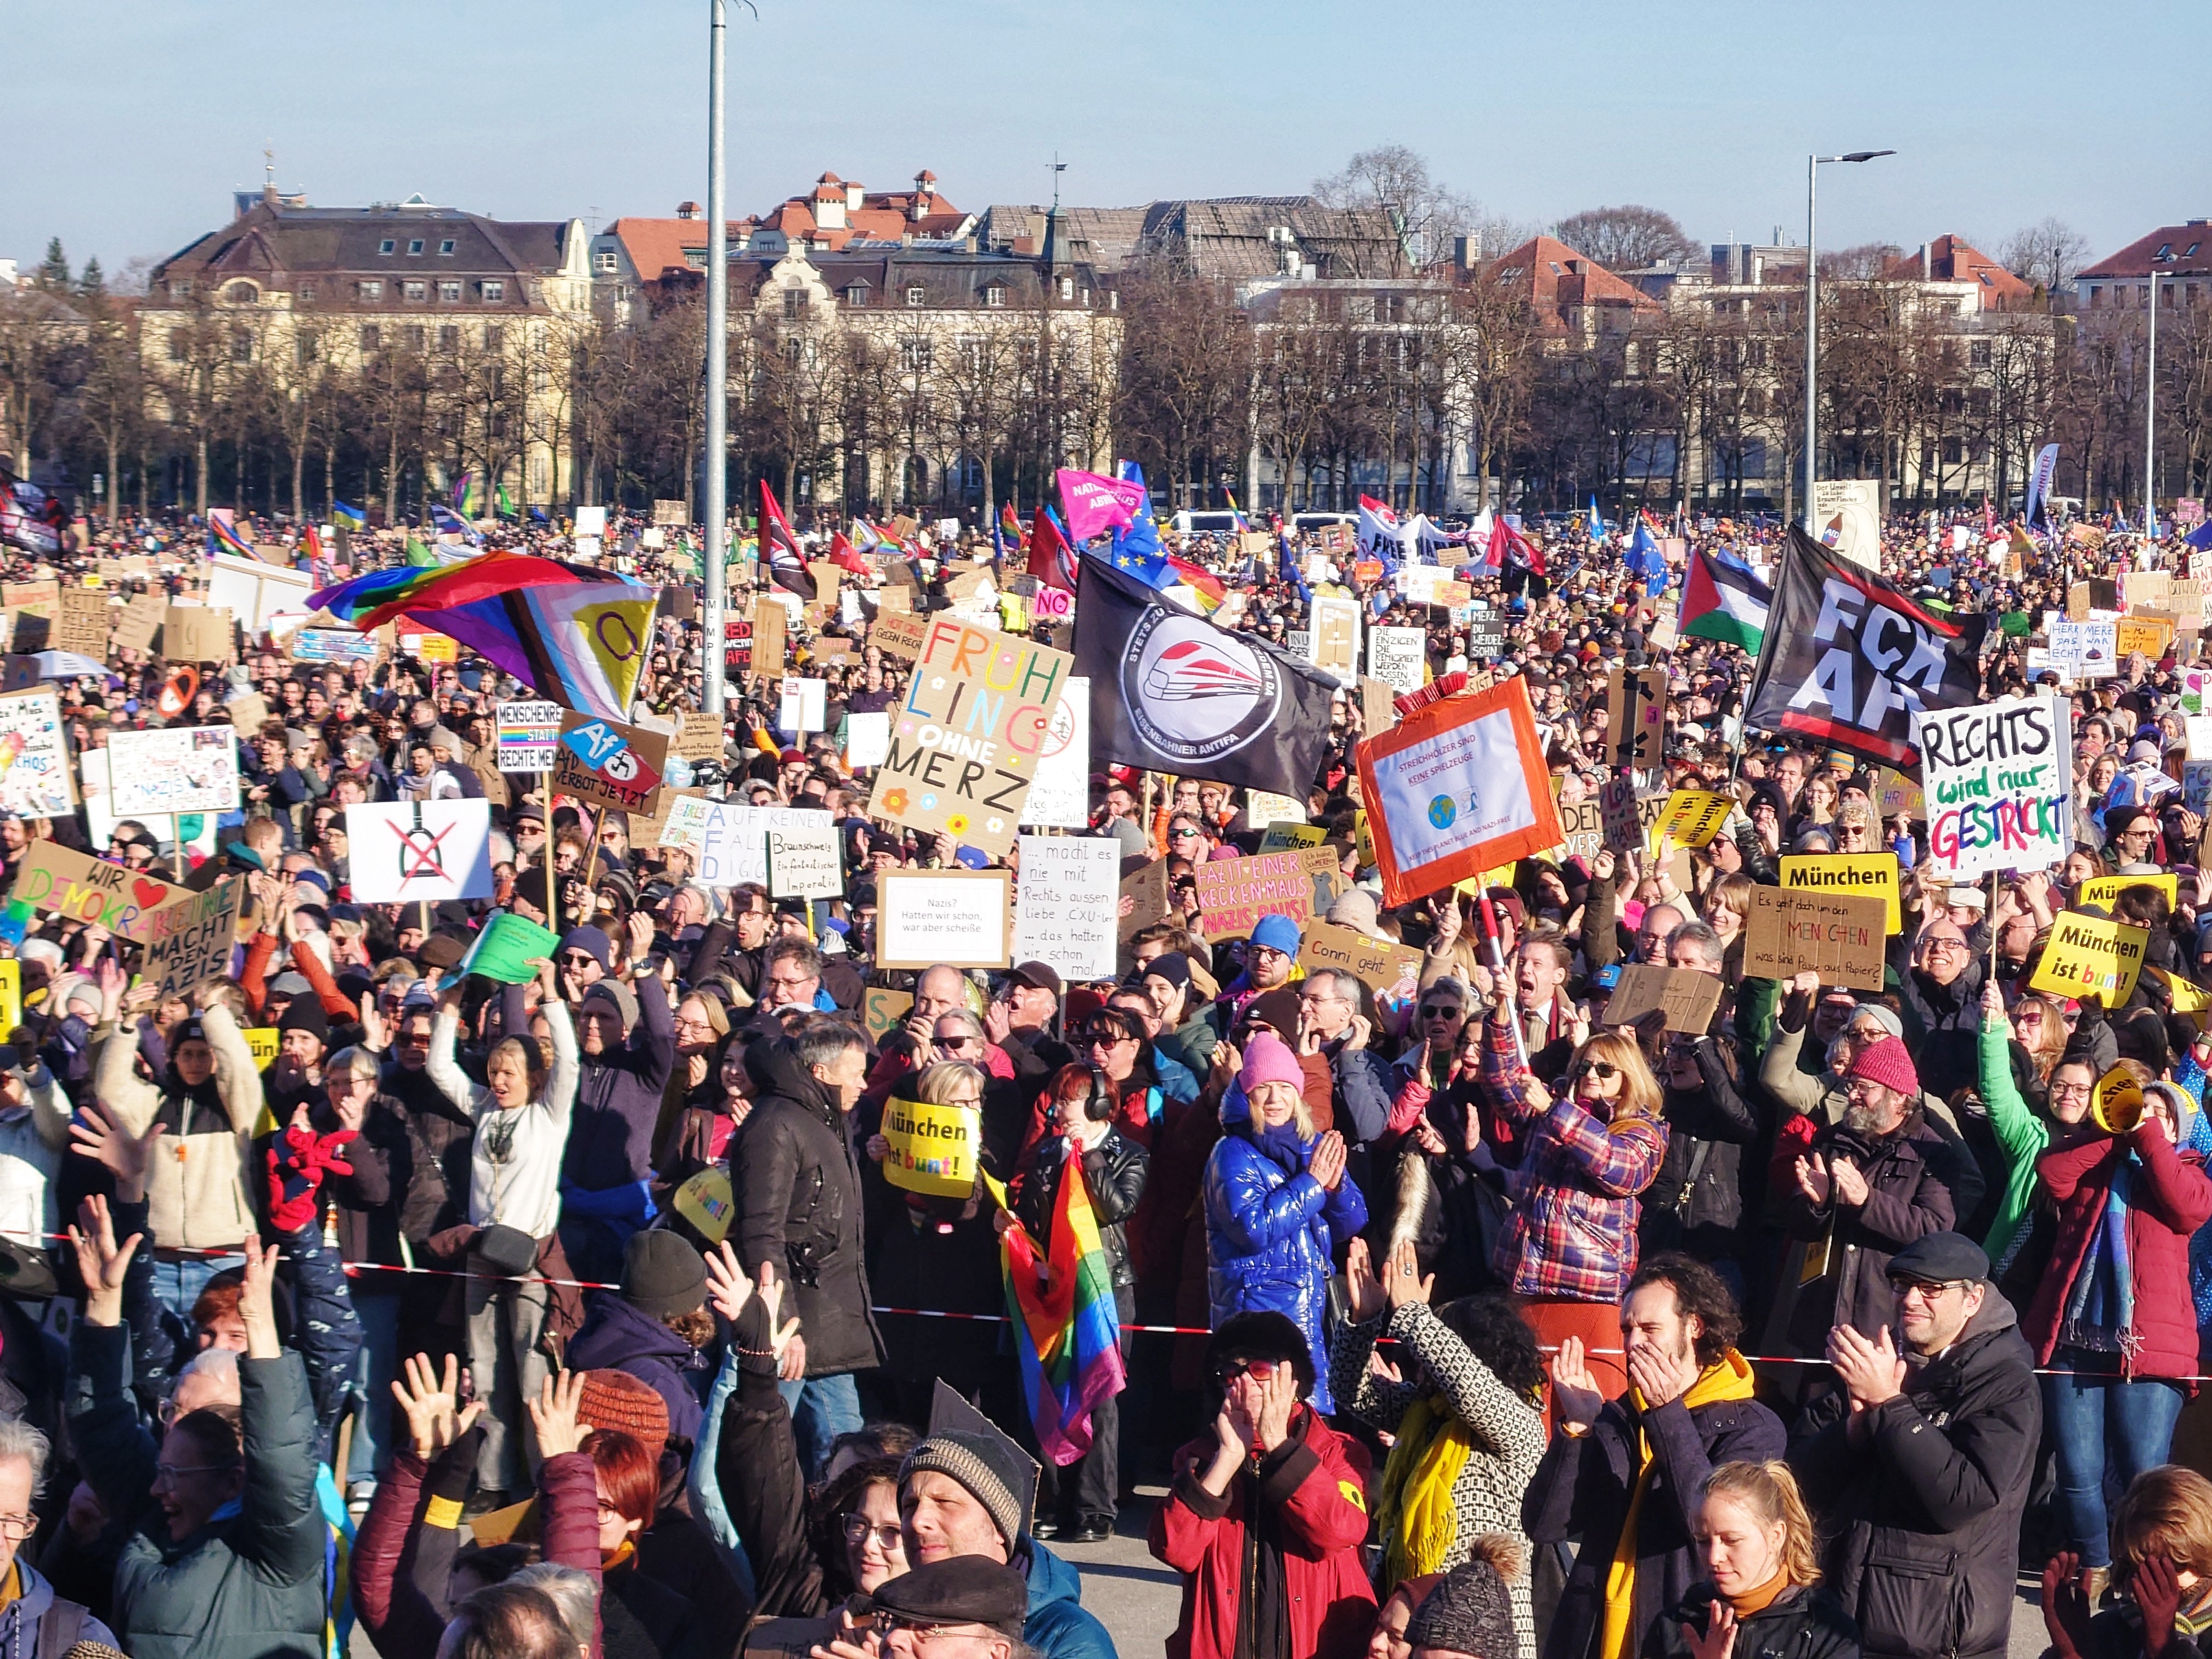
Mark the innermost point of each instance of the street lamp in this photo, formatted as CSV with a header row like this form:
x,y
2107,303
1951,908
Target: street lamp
x,y
1813,164
715,507
2150,401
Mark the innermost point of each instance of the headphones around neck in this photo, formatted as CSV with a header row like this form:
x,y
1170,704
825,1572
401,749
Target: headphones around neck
x,y
1098,1105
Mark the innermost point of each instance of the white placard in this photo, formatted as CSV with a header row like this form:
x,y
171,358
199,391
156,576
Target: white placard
x,y
253,592
591,521
36,783
868,741
1263,808
419,852
927,917
192,769
526,735
848,607
732,841
1068,904
1998,780
1397,657
1060,790
99,822
802,859
805,705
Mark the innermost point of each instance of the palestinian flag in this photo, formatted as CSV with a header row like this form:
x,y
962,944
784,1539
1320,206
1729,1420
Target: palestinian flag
x,y
1725,602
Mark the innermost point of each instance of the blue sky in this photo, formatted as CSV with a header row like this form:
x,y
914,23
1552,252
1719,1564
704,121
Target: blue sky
x,y
130,122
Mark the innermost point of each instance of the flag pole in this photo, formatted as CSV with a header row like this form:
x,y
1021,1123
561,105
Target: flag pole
x,y
714,506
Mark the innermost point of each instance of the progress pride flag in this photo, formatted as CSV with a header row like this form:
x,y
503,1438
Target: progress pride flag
x,y
1095,504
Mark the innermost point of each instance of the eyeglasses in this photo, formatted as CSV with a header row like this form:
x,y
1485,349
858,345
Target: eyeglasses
x,y
1939,944
1268,951
695,1026
859,1529
16,1527
925,1634
2071,1090
1604,1071
1261,1370
1442,1011
168,1475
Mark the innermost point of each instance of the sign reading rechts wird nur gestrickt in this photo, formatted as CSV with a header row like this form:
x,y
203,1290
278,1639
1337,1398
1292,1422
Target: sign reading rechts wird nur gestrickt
x,y
1999,786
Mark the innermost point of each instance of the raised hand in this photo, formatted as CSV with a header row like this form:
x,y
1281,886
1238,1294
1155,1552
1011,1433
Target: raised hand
x,y
1574,1390
728,1290
641,936
433,1419
1718,1639
1364,1291
553,1413
101,1261
99,1134
1813,1179
2066,1608
257,1307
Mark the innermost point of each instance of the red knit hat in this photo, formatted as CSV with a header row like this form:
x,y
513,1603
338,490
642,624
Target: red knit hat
x,y
1889,1063
616,1399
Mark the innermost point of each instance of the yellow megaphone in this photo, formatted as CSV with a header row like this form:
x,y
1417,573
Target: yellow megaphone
x,y
2117,1105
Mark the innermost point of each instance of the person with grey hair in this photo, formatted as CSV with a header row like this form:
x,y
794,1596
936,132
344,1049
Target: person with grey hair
x,y
571,1590
1696,946
1330,1025
34,1620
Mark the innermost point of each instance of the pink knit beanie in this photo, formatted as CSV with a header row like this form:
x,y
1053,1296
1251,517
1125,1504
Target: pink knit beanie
x,y
1889,1063
1269,1059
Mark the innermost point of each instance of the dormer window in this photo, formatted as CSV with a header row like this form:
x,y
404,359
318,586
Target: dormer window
x,y
242,293
445,248
418,290
414,248
450,292
857,295
1067,287
493,290
914,296
181,290
607,261
306,294
371,289
386,246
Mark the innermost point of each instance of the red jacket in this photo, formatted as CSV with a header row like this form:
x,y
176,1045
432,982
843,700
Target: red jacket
x,y
2171,1199
1311,1493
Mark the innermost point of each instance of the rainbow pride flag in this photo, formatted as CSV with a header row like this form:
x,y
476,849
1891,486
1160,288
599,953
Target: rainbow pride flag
x,y
1201,581
1067,1331
1009,527
223,536
1235,511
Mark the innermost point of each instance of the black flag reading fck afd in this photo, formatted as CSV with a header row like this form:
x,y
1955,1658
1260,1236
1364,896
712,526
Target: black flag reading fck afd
x,y
1849,660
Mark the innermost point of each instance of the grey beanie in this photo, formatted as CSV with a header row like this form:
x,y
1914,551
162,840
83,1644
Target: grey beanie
x,y
614,991
983,1467
1471,1612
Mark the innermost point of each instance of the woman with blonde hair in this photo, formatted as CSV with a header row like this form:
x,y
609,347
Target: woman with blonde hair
x,y
1761,1591
2162,1551
1568,1247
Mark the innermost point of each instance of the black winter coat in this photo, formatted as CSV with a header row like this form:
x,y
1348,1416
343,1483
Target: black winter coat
x,y
1695,1202
1799,1623
1113,1171
1922,1504
797,1187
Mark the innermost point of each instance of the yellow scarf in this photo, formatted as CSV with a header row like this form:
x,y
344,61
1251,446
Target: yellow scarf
x,y
1418,1519
1729,1378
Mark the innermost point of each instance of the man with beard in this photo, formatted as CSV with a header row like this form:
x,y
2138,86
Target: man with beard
x,y
1624,1475
1866,1187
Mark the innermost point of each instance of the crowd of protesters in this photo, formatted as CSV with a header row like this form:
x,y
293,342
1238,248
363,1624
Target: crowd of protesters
x,y
1456,1323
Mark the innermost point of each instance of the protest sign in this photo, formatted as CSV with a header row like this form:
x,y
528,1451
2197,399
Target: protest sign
x,y
2084,650
191,938
2089,955
1378,705
1686,997
805,705
924,917
1289,837
1397,656
731,841
932,1148
1333,643
1263,808
262,1042
1582,831
1060,791
1146,890
1486,636
1839,936
1621,816
507,946
61,881
11,997
1901,797
140,621
1869,874
883,1010
1233,893
81,623
608,764
2146,590
2145,635
1692,818
802,858
2188,997
528,734
196,633
1999,781
1067,904
899,633
868,740
178,770
1459,787
769,623
321,645
966,737
419,852
2101,890
1636,716
700,739
36,783
1391,970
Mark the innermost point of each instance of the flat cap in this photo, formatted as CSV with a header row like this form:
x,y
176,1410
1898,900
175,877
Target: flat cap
x,y
961,1590
1939,1258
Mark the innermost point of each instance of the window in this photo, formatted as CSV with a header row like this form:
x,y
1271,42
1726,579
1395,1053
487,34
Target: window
x,y
415,247
2189,252
914,296
2096,295
1067,287
449,337
857,295
371,289
1086,296
305,294
450,292
794,302
1979,354
372,337
242,293
241,346
994,296
696,258
607,260
306,348
915,356
1955,452
418,290
494,335
386,246
417,336
445,248
181,290
180,345
493,290
2166,250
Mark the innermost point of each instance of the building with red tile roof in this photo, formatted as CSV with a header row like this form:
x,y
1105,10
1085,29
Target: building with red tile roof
x,y
1953,259
1575,298
2181,254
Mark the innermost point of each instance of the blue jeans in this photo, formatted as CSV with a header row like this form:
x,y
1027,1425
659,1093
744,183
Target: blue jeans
x,y
822,1409
2100,1421
375,1369
177,1283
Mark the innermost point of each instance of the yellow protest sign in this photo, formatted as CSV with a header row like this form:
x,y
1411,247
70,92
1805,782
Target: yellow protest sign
x,y
261,1041
2101,890
2117,1105
2188,997
708,1203
1692,817
932,1148
1290,837
1872,875
1364,839
2089,955
11,997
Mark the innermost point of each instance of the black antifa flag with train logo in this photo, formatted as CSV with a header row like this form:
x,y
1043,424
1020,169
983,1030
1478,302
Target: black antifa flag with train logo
x,y
1848,661
1170,692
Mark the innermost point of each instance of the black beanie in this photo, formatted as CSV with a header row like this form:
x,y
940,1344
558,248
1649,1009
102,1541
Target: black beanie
x,y
306,1014
662,1274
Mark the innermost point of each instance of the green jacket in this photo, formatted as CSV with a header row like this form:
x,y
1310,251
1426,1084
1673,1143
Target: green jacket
x,y
247,1586
2021,1133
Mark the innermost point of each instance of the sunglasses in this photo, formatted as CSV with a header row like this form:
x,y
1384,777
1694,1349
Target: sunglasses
x,y
953,1042
1603,1069
1442,1011
1104,1039
1262,1370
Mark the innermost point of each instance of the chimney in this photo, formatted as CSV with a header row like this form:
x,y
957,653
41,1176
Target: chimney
x,y
687,210
854,196
1466,251
1927,263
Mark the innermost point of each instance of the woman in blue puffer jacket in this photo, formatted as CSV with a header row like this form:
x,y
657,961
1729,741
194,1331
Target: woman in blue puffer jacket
x,y
1277,1203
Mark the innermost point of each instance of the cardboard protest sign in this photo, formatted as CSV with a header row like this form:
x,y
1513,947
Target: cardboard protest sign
x,y
140,621
699,739
38,782
81,625
608,764
1233,893
1146,890
1060,790
1582,830
932,1148
191,938
966,738
2089,955
1692,818
11,997
883,1011
1397,657
1067,904
1391,970
1620,817
2101,890
1378,705
924,917
420,851
1289,837
197,633
2188,997
1459,787
1900,796
2000,777
176,769
1689,999
899,633
769,620
1871,874
1332,644
58,880
1842,937
803,861
1636,716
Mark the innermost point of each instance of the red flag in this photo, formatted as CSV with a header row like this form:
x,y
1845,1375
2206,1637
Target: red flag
x,y
1507,543
781,548
1050,561
842,555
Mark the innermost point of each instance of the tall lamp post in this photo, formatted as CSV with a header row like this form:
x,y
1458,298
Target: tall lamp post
x,y
2150,406
1813,165
715,509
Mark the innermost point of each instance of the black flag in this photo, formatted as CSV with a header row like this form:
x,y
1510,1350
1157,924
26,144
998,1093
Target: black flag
x,y
1848,659
1170,692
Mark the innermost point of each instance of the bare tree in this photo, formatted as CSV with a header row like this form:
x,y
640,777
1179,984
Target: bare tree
x,y
1428,212
1627,238
2047,253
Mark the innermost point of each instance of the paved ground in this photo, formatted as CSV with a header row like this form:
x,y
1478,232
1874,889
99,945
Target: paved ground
x,y
1133,1596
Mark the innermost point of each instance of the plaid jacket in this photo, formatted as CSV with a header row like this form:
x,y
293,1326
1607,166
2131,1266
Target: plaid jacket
x,y
1571,1234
